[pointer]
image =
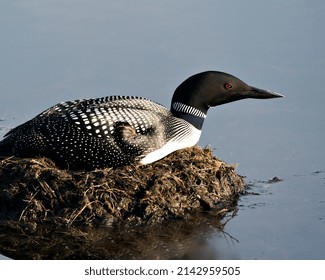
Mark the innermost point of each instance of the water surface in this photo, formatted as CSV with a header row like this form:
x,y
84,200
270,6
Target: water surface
x,y
65,50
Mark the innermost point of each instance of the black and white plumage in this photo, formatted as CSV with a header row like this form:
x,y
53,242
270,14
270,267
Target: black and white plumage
x,y
119,130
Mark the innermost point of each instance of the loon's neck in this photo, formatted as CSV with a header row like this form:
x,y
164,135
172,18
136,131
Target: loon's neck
x,y
188,113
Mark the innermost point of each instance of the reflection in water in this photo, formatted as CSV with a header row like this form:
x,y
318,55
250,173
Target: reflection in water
x,y
193,238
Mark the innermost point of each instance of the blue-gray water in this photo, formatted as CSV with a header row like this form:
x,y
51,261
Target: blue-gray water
x,y
52,51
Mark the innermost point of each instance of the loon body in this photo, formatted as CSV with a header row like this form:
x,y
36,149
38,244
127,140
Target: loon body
x,y
119,130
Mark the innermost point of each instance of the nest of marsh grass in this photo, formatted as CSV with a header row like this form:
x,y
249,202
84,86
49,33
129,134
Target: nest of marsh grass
x,y
35,192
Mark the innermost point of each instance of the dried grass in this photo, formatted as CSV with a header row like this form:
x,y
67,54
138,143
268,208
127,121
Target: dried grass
x,y
35,192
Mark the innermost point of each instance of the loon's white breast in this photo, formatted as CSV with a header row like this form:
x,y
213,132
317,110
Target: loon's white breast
x,y
192,137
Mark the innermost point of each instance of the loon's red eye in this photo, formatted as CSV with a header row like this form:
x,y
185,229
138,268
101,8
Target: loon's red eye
x,y
227,86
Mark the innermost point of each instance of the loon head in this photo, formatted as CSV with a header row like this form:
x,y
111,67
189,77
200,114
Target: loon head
x,y
213,88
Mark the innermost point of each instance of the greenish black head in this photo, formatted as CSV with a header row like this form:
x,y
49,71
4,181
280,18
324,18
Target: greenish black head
x,y
213,88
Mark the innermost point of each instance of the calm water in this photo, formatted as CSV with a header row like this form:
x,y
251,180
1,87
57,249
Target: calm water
x,y
52,51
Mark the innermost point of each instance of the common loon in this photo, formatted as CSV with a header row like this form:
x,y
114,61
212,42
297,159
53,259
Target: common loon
x,y
119,130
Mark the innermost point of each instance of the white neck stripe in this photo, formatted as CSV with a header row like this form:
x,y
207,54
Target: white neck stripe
x,y
183,108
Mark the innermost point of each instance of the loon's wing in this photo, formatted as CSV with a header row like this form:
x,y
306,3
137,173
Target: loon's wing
x,y
98,132
102,116
96,108
135,124
88,105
